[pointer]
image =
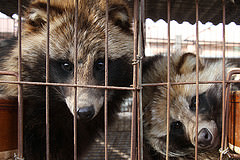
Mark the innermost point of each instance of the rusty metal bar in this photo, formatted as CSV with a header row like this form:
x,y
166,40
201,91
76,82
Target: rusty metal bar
x,y
139,118
197,80
20,98
106,84
47,87
112,87
68,85
224,67
134,101
183,83
139,103
75,81
168,78
223,143
143,26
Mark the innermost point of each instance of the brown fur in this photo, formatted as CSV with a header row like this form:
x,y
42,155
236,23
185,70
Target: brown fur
x,y
90,59
182,69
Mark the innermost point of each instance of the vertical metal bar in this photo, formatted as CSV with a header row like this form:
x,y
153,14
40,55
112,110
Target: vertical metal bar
x,y
134,104
20,98
139,118
138,91
143,26
168,77
75,80
106,84
223,143
47,87
197,80
140,54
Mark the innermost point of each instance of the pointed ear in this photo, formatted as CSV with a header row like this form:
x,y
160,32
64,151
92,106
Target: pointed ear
x,y
187,64
36,15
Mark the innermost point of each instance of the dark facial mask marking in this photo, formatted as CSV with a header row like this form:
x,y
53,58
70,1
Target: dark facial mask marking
x,y
203,104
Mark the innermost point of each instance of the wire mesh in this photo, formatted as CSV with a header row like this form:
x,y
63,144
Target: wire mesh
x,y
47,84
136,151
165,46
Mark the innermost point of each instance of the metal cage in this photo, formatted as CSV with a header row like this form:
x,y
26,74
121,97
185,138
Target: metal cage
x,y
136,136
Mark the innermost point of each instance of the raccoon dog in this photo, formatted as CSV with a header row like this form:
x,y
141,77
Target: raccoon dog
x,y
182,108
90,71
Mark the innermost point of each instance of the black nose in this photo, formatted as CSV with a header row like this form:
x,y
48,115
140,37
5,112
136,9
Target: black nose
x,y
204,138
86,113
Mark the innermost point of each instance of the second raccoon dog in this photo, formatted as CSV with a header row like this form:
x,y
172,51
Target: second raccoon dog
x,y
90,71
182,108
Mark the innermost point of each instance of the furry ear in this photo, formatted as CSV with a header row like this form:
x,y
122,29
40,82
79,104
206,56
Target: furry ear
x,y
187,64
36,16
119,14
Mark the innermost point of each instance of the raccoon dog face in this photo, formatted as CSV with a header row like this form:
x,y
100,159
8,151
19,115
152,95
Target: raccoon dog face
x,y
182,106
90,48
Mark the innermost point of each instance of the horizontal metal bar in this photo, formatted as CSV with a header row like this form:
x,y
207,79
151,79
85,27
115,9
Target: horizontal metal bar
x,y
68,85
115,87
185,83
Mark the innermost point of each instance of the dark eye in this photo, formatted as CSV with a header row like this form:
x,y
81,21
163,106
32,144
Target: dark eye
x,y
100,65
193,104
203,105
176,129
176,125
67,66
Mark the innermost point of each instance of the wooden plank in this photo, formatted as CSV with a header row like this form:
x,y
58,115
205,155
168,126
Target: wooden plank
x,y
8,125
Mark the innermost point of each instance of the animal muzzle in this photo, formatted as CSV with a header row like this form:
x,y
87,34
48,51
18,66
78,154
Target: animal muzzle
x,y
88,104
86,112
207,135
205,138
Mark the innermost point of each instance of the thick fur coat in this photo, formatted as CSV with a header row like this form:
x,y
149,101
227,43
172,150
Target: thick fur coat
x,y
90,71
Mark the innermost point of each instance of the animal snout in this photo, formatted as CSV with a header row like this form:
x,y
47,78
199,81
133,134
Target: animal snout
x,y
205,138
86,113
